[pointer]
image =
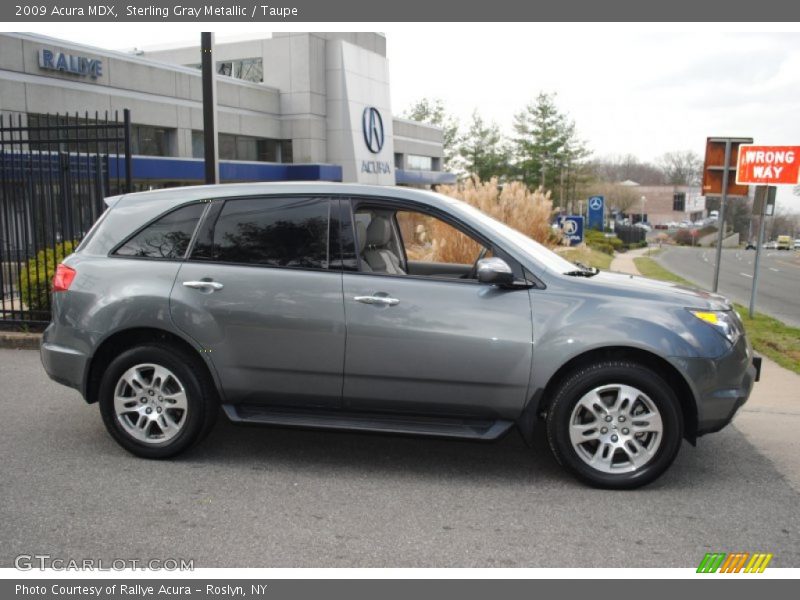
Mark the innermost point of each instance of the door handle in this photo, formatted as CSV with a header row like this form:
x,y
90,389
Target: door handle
x,y
379,300
204,285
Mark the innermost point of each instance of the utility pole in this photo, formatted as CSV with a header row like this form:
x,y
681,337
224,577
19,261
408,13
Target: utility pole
x,y
210,137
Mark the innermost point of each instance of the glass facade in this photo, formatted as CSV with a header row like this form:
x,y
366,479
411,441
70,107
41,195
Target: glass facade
x,y
244,147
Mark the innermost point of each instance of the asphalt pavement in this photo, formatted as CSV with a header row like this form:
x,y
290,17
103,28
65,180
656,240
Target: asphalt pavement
x,y
779,277
290,498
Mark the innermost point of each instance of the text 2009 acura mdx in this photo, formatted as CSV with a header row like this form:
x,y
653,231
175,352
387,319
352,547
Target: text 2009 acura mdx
x,y
332,306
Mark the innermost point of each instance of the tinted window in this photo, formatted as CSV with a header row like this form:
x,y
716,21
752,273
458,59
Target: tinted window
x,y
168,237
273,232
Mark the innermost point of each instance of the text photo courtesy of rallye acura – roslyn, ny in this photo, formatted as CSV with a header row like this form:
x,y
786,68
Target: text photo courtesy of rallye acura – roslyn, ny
x,y
140,590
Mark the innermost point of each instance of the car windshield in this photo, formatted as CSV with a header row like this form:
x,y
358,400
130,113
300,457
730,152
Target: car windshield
x,y
537,251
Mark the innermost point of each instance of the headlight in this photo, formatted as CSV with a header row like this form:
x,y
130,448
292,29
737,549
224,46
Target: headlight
x,y
724,321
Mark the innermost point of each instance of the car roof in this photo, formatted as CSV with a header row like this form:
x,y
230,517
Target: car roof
x,y
179,195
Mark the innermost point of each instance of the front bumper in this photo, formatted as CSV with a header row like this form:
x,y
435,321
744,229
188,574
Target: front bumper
x,y
721,385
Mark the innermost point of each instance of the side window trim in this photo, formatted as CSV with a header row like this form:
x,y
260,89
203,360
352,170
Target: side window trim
x,y
113,252
207,229
391,204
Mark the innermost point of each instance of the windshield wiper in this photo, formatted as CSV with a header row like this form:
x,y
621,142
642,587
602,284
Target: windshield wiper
x,y
583,271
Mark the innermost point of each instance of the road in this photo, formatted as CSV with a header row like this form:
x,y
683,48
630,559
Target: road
x,y
289,498
778,285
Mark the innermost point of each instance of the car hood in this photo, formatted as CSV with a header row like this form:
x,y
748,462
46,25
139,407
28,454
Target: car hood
x,y
633,286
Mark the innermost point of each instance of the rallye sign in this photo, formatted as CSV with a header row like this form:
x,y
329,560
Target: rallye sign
x,y
70,63
768,165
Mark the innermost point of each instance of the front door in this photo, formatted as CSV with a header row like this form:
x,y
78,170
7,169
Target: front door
x,y
423,336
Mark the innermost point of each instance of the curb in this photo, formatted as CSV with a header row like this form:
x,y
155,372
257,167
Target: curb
x,y
20,341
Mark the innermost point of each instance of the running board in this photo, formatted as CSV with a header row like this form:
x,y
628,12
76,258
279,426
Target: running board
x,y
463,428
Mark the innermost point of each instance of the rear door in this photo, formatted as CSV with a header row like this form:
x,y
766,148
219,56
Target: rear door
x,y
261,293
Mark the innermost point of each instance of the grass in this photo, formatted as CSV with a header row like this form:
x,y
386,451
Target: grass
x,y
650,268
769,336
588,257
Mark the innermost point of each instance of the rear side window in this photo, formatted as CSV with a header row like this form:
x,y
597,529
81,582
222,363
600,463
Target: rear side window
x,y
168,237
273,232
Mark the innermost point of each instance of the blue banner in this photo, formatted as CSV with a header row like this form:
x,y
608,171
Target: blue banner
x,y
597,206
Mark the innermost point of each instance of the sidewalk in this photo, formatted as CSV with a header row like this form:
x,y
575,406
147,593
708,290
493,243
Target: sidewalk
x,y
771,418
623,263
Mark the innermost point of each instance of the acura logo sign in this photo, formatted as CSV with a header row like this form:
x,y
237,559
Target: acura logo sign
x,y
372,125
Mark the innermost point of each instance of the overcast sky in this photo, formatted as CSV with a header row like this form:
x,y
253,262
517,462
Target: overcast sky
x,y
640,89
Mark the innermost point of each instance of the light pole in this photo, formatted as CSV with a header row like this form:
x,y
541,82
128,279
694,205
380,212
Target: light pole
x,y
644,199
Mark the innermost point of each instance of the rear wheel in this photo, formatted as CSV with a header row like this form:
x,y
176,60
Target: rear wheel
x,y
156,401
615,424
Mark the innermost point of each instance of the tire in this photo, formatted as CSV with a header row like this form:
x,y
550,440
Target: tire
x,y
610,443
165,389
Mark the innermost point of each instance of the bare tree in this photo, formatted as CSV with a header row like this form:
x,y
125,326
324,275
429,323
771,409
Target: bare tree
x,y
615,169
681,168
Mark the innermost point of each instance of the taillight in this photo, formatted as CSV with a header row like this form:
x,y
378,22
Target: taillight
x,y
63,278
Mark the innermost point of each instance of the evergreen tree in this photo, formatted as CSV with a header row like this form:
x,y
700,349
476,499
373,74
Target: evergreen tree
x,y
547,149
483,151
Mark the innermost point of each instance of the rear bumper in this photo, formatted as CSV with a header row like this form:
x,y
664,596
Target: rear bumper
x,y
64,365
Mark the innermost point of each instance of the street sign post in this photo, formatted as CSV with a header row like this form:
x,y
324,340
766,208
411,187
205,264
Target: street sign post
x,y
717,180
572,227
765,197
596,212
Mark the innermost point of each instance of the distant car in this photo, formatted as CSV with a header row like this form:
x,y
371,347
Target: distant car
x,y
750,246
797,244
700,223
644,226
684,225
771,245
784,242
672,225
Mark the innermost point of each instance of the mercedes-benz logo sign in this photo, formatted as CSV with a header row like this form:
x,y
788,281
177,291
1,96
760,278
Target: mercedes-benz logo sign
x,y
372,125
595,203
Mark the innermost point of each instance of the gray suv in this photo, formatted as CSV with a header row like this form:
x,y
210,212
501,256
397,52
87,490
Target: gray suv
x,y
382,309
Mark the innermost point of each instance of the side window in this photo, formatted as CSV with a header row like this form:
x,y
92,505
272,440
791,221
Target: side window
x,y
166,238
274,232
429,239
407,242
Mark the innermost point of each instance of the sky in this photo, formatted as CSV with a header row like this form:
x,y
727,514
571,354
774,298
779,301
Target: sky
x,y
630,88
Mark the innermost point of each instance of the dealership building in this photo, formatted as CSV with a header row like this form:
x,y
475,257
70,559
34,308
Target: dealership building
x,y
293,106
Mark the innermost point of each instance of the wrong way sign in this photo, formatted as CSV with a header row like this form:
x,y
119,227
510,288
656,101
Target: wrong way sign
x,y
768,165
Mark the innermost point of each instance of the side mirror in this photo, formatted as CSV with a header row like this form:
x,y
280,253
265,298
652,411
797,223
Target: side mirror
x,y
495,271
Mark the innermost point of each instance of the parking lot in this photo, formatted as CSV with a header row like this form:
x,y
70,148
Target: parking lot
x,y
289,498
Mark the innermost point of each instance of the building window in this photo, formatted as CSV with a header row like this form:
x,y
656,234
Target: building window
x,y
419,163
246,69
151,141
398,160
679,202
243,147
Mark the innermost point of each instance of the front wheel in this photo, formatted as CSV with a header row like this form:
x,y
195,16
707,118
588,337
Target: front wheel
x,y
155,401
615,424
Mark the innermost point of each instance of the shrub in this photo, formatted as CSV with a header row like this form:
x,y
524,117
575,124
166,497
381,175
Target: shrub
x,y
35,278
513,204
686,237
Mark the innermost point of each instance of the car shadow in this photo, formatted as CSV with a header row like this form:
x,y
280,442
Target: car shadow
x,y
259,448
